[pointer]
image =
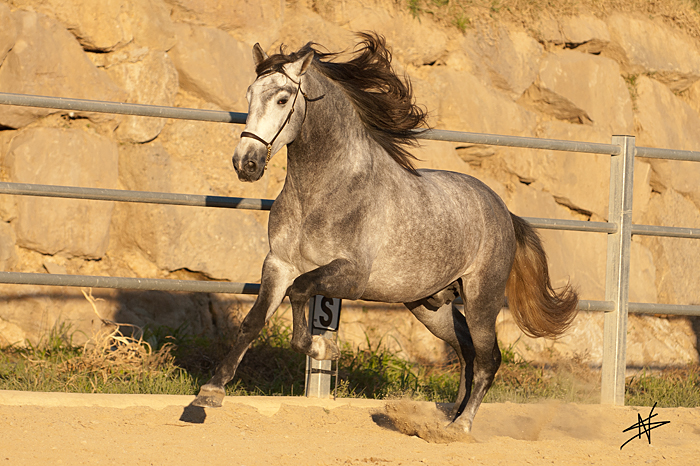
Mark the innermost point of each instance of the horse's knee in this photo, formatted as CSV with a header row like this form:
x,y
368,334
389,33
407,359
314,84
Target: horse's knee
x,y
301,343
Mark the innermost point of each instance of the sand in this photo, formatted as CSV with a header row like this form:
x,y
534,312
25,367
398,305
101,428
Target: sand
x,y
38,428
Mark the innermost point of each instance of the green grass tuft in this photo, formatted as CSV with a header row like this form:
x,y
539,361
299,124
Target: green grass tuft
x,y
672,388
171,361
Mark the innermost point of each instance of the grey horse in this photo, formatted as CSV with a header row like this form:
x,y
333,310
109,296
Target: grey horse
x,y
356,220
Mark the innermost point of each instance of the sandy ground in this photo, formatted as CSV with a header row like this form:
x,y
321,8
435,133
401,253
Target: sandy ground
x,y
143,430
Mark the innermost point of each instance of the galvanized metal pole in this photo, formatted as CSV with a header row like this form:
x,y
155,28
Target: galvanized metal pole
x,y
617,273
318,373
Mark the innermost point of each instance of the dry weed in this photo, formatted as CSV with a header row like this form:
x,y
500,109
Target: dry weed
x,y
112,352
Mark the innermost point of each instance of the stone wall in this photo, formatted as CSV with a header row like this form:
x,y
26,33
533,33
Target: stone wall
x,y
578,78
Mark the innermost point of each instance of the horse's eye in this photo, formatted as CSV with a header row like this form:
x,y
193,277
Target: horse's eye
x,y
282,101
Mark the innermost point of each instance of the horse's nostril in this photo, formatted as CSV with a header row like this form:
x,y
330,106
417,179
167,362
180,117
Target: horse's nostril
x,y
251,166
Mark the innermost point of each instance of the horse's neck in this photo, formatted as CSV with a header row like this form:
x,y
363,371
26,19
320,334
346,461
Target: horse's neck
x,y
333,145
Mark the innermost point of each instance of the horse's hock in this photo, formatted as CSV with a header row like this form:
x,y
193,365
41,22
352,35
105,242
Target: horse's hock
x,y
466,80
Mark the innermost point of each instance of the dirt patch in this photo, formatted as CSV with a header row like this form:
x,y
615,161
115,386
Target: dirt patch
x,y
277,432
424,420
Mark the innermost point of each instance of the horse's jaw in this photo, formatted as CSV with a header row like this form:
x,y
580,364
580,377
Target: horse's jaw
x,y
246,178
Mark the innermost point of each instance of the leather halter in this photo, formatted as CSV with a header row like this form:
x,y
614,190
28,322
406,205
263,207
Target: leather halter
x,y
268,145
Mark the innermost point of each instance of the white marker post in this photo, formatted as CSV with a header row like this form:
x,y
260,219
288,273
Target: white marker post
x,y
324,320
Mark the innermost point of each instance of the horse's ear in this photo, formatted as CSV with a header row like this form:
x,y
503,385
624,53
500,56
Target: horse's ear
x,y
299,67
306,61
259,54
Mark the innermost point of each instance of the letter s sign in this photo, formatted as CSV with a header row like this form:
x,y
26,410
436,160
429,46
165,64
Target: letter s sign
x,y
326,313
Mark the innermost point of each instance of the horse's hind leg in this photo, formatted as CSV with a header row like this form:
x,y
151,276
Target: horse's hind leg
x,y
448,324
483,299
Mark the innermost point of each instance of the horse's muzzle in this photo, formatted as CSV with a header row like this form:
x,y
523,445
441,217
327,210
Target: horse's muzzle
x,y
250,166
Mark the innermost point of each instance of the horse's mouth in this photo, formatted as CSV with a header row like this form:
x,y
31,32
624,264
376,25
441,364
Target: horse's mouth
x,y
248,179
249,169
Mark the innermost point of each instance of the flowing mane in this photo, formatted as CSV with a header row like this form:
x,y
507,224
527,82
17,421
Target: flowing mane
x,y
384,101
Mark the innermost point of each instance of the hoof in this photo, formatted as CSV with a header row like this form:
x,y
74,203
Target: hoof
x,y
209,397
459,427
323,349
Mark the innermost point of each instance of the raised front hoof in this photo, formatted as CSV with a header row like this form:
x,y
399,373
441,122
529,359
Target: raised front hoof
x,y
209,397
323,349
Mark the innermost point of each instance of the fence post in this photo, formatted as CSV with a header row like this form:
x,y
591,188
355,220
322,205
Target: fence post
x,y
318,373
324,320
617,273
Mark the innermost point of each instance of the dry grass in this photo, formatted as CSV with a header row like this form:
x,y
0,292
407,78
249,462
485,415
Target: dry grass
x,y
110,362
463,14
112,352
672,387
117,363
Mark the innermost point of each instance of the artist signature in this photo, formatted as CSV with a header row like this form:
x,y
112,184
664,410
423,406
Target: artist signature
x,y
644,426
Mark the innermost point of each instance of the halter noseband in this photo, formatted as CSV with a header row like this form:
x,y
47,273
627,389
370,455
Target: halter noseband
x,y
268,145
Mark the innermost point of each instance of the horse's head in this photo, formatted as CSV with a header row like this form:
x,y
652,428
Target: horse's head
x,y
275,114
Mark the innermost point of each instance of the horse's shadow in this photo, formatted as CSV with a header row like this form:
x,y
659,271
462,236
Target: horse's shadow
x,y
384,421
193,414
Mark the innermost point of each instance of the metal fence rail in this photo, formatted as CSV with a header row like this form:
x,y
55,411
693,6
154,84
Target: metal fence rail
x,y
128,283
121,108
99,194
619,228
96,106
197,200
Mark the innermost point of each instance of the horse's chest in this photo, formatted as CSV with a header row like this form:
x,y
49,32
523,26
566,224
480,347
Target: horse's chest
x,y
322,235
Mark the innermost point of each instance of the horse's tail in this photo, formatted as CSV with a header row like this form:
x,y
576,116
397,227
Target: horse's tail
x,y
537,308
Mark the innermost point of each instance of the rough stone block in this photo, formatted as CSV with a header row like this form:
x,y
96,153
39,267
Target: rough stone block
x,y
11,334
547,29
214,66
651,341
301,23
692,96
466,111
8,33
585,33
99,26
582,88
66,158
645,46
8,256
510,58
47,60
221,243
250,21
207,149
577,180
675,259
666,121
152,25
150,78
33,313
578,257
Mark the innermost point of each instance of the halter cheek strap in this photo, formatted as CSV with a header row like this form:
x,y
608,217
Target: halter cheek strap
x,y
268,145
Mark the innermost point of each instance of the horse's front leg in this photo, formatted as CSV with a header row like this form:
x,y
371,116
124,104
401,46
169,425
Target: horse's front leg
x,y
276,278
338,279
